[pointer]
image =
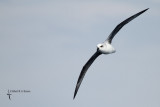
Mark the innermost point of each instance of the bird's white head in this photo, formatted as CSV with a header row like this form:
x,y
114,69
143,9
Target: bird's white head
x,y
105,48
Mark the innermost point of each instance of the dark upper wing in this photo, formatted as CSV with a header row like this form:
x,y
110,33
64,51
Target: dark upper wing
x,y
84,70
119,26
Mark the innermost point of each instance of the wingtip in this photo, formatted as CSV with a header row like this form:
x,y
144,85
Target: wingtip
x,y
144,10
74,94
73,97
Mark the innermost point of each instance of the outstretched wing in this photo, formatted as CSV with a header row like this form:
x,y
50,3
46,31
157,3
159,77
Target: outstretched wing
x,y
84,70
119,26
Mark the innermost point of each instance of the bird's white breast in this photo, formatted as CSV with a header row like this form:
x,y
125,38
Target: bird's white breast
x,y
106,49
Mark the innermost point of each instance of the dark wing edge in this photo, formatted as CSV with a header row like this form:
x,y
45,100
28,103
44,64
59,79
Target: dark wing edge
x,y
119,26
84,70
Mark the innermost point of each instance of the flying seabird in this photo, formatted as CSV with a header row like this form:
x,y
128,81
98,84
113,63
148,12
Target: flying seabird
x,y
9,95
104,48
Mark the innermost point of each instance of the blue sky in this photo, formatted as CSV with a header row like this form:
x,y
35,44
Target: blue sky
x,y
45,43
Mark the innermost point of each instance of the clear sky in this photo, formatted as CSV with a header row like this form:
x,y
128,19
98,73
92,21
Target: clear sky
x,y
45,43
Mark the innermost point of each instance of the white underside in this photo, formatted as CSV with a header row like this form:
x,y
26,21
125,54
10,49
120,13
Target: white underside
x,y
106,49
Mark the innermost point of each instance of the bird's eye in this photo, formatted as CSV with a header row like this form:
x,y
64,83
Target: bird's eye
x,y
101,46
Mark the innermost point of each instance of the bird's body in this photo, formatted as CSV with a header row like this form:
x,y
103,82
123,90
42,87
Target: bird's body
x,y
9,95
104,48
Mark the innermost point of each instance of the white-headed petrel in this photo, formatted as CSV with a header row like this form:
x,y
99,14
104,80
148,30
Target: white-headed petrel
x,y
104,48
9,95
